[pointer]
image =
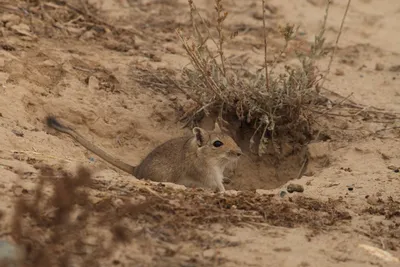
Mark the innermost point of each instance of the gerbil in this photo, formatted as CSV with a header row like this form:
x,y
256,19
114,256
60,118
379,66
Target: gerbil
x,y
194,161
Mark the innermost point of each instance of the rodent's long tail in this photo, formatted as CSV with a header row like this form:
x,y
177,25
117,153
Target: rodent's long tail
x,y
53,123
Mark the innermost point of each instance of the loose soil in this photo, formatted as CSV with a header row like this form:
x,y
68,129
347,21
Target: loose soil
x,y
102,66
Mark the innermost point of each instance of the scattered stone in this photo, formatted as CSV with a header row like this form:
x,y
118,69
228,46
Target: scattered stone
x,y
331,184
258,15
263,192
231,192
88,35
350,187
339,72
10,255
373,200
393,167
379,253
309,173
282,193
118,202
318,150
379,67
2,63
283,249
173,97
295,188
10,19
170,50
286,149
385,156
93,83
395,68
346,169
23,29
117,46
18,133
209,253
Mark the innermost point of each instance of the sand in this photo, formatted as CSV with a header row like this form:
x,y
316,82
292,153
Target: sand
x,y
102,81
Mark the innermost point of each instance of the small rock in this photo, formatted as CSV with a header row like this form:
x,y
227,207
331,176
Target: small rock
x,y
350,187
309,173
18,133
286,149
395,68
282,193
393,167
344,125
283,249
295,188
10,19
173,97
209,253
114,45
373,200
88,35
2,63
49,63
379,67
118,202
318,150
22,29
385,156
174,186
263,192
171,50
231,192
10,255
339,72
93,83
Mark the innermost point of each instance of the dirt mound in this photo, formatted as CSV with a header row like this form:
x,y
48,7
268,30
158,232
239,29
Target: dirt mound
x,y
55,227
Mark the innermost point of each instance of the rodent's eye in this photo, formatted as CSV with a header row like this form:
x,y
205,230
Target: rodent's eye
x,y
217,143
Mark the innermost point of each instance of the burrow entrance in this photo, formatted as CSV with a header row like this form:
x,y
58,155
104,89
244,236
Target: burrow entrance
x,y
268,171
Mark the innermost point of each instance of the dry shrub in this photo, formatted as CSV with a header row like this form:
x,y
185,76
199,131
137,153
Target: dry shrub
x,y
272,103
53,228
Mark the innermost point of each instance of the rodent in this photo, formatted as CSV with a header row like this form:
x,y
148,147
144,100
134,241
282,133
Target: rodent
x,y
197,160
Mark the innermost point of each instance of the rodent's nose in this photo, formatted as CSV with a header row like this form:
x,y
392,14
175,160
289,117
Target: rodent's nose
x,y
239,153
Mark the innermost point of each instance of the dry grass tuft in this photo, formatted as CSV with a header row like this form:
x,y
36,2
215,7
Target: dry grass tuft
x,y
53,228
273,103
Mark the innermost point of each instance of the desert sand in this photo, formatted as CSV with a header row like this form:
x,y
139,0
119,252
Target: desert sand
x,y
99,72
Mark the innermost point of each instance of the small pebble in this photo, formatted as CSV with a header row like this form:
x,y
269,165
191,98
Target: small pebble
x,y
379,67
18,133
295,188
93,83
10,254
350,187
395,68
339,72
373,200
393,168
282,193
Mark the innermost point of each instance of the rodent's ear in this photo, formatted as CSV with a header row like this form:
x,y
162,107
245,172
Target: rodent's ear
x,y
217,129
201,136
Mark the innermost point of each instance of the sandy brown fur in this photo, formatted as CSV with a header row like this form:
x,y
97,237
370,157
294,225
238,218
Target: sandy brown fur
x,y
192,161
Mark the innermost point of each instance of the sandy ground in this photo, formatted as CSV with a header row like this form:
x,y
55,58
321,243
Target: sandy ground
x,y
101,81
